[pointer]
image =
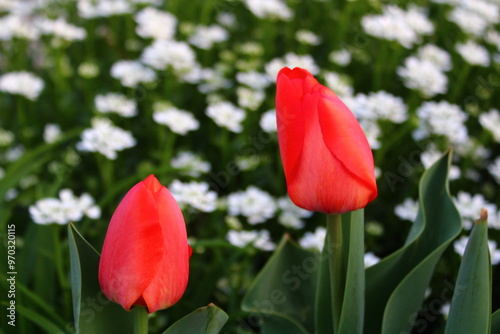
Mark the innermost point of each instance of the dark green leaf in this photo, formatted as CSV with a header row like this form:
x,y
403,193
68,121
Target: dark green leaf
x,y
395,287
285,288
495,322
471,304
205,320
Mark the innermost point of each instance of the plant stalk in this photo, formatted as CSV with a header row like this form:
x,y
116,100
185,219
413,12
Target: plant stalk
x,y
336,264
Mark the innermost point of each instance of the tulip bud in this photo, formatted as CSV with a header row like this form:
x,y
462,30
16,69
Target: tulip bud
x,y
145,256
327,160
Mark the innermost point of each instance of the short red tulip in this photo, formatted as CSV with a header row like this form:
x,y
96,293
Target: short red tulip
x,y
327,160
145,256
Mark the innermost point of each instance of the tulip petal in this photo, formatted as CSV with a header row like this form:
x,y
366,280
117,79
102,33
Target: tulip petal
x,y
171,279
133,247
345,139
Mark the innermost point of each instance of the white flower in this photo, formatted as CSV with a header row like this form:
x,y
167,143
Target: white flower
x,y
470,207
21,83
51,133
226,115
441,118
491,122
103,8
190,163
423,76
338,84
179,121
253,79
194,194
19,26
212,80
67,208
378,105
468,21
307,37
116,103
205,37
372,132
291,215
473,53
61,28
253,203
226,19
435,55
460,245
14,153
105,138
493,37
371,259
314,240
179,56
6,137
131,73
268,121
258,239
341,57
154,23
272,9
250,98
407,210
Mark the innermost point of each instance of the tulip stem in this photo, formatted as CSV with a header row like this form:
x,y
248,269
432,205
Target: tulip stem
x,y
141,320
336,263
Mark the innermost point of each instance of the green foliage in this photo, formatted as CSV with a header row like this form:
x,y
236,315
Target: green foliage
x,y
205,320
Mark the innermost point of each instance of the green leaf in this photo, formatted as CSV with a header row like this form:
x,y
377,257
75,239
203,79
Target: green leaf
x,y
395,287
323,307
353,306
471,304
205,320
93,312
495,322
47,325
285,288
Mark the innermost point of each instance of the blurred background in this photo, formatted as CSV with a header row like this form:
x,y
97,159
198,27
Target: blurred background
x,y
95,95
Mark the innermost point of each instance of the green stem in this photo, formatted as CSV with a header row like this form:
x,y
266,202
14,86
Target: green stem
x,y
458,87
335,259
140,320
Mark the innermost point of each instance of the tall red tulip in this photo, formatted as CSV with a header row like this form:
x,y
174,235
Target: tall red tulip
x,y
327,160
145,256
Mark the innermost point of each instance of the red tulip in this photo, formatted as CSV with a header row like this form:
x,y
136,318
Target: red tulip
x,y
145,256
327,160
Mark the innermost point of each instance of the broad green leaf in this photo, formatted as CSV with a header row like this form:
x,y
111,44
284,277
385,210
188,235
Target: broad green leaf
x,y
495,322
323,306
395,287
470,310
205,320
285,288
93,312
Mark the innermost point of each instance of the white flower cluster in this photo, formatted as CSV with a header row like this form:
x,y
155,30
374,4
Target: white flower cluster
x,y
460,245
105,138
60,28
131,73
441,118
270,9
205,37
475,16
156,24
21,83
179,121
307,37
470,207
253,203
425,72
268,121
430,156
253,79
195,195
473,53
407,210
67,208
258,239
115,103
226,115
314,240
18,26
396,24
90,9
340,57
178,56
291,215
338,84
249,98
190,164
51,133
373,107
